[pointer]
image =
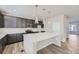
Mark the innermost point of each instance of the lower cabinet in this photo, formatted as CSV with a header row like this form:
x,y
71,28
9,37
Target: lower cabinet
x,y
9,39
3,42
1,49
19,37
13,38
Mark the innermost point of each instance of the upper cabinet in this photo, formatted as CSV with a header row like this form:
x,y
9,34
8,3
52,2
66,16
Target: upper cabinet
x,y
23,23
1,21
17,22
14,22
10,22
30,23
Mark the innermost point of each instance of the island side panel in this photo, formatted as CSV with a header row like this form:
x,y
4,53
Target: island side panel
x,y
29,45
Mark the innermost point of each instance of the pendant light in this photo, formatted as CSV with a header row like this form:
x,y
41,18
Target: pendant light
x,y
36,17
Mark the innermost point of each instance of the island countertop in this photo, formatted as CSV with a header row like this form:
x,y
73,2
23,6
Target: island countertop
x,y
5,31
2,35
40,36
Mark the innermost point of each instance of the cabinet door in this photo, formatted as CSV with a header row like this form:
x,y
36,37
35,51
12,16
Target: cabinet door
x,y
1,21
1,49
18,23
27,24
3,42
31,22
19,37
11,38
34,25
23,22
10,22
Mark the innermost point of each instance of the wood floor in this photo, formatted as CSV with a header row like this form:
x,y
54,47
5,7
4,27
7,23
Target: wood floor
x,y
71,46
16,48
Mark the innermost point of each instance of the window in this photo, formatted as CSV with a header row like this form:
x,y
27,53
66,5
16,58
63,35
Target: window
x,y
72,27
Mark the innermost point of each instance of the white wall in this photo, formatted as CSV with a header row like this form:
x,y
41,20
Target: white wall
x,y
73,19
58,25
47,25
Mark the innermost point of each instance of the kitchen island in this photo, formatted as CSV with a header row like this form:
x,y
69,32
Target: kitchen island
x,y
13,35
36,41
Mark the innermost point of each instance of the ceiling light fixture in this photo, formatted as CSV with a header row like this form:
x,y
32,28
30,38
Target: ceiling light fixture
x,y
36,17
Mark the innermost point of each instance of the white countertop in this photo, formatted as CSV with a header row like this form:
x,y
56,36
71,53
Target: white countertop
x,y
5,31
40,36
2,35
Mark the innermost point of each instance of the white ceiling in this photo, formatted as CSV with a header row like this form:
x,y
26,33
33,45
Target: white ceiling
x,y
29,11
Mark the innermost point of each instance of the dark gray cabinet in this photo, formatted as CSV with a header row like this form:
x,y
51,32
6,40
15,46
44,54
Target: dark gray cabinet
x,y
20,23
23,22
14,22
19,37
3,42
27,24
13,38
34,25
9,39
17,22
1,21
10,22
